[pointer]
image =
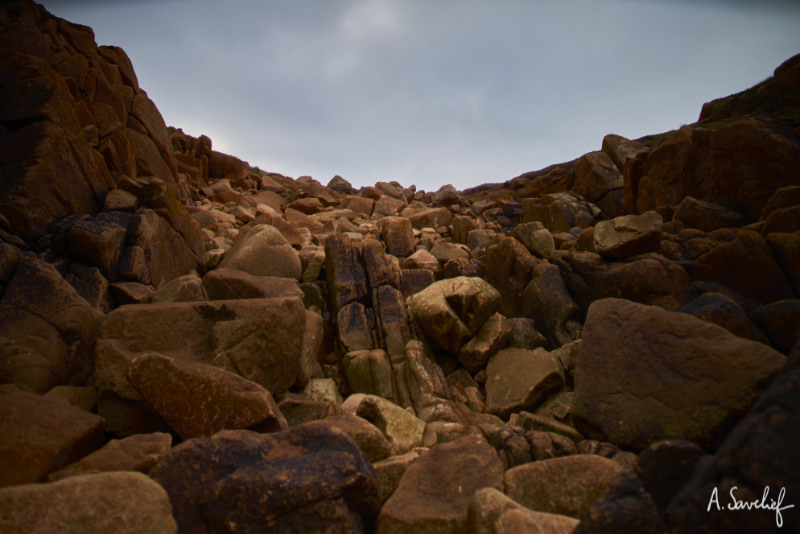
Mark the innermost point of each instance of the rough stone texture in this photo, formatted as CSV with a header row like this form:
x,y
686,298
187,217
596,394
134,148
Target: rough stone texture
x,y
398,235
197,399
403,429
391,470
263,251
429,217
536,238
508,267
722,310
492,512
644,374
451,311
354,327
706,216
666,466
492,337
369,439
435,491
347,280
733,264
259,339
781,323
369,371
518,379
745,160
628,235
547,300
600,181
223,284
123,502
626,506
186,288
308,478
97,243
139,452
566,486
38,436
758,453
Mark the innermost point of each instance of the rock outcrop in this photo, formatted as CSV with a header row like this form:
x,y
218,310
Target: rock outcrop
x,y
191,343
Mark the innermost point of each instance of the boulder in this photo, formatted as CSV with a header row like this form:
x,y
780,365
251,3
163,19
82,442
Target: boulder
x,y
369,439
308,478
224,283
403,429
706,216
722,310
620,149
355,327
492,336
536,238
445,252
398,235
626,506
462,226
186,288
435,491
428,217
666,466
422,259
674,377
347,279
91,285
786,248
259,339
628,235
97,243
313,338
565,486
196,399
391,470
599,180
263,251
38,436
733,264
139,452
368,371
547,300
493,512
123,502
781,323
508,266
518,379
446,195
452,310
340,185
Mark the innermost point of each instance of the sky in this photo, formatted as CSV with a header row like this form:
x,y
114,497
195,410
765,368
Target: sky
x,y
434,92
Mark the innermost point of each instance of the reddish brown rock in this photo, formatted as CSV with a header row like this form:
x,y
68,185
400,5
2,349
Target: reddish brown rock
x,y
223,284
398,235
428,217
38,436
263,251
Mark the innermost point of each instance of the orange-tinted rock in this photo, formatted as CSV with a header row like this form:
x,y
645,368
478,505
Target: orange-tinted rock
x,y
38,436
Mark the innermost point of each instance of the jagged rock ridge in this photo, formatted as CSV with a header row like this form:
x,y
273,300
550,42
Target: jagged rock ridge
x,y
583,348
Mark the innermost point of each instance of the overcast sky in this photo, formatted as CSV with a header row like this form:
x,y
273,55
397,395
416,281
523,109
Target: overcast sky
x,y
430,92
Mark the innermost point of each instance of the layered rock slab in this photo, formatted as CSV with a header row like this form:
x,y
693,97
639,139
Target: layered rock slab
x,y
644,374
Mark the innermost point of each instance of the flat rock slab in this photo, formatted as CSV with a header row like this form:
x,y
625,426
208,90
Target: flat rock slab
x,y
519,379
644,374
628,235
122,502
435,491
258,339
39,435
565,486
307,479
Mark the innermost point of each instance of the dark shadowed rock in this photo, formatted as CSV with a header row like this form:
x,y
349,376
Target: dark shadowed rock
x,y
518,379
781,323
628,235
706,216
673,377
626,506
308,478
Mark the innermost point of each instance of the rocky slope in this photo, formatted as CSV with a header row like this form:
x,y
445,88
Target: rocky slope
x,y
189,344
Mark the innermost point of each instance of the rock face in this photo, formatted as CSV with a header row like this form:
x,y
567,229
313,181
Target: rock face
x,y
304,479
635,299
644,374
122,502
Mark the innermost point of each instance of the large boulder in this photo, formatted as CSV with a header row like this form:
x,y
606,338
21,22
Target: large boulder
x,y
123,502
39,435
223,284
566,486
451,311
435,491
197,399
308,478
259,339
519,379
398,235
263,251
644,374
493,512
403,429
628,235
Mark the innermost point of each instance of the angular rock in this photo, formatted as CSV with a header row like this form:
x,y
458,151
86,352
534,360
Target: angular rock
x,y
536,238
422,259
462,226
197,399
347,279
492,337
263,251
428,217
398,235
675,377
308,478
312,346
666,466
451,311
391,470
415,280
259,339
547,300
628,235
448,251
97,243
223,284
139,452
565,486
706,216
599,179
508,266
91,285
354,327
492,512
518,379
123,502
435,491
369,371
722,310
403,429
626,506
781,323
38,436
186,288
